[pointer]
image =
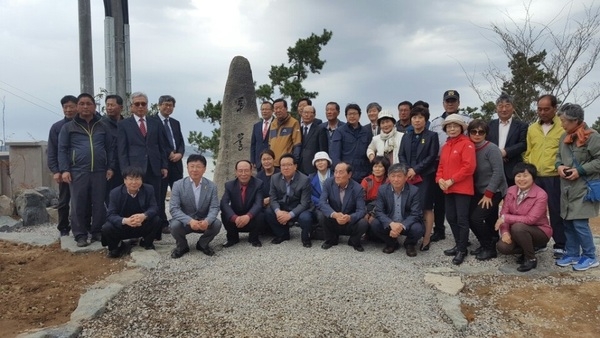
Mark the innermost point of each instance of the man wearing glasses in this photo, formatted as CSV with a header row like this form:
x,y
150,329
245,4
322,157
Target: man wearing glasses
x,y
142,142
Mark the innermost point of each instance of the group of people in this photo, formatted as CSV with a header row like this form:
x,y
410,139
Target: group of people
x,y
389,179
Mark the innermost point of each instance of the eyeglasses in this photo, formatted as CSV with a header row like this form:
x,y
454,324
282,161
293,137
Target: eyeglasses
x,y
140,104
476,132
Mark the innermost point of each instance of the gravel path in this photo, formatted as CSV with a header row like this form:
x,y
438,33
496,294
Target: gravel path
x,y
287,290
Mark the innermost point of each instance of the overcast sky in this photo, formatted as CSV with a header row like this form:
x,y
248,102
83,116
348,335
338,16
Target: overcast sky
x,y
384,51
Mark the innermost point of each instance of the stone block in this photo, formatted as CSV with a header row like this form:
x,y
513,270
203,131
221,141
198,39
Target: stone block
x,y
31,206
8,224
7,207
50,194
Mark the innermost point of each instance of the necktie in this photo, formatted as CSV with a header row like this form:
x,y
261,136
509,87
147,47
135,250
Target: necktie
x,y
265,129
169,133
243,194
143,127
305,130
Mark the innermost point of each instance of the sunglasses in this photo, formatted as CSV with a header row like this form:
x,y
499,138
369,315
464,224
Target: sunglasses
x,y
477,132
140,104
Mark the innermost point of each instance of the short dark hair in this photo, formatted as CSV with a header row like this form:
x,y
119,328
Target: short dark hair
x,y
383,161
132,171
268,152
117,98
68,98
421,103
305,99
352,106
405,103
267,102
348,166
166,98
478,124
82,95
196,158
286,155
553,99
420,110
337,106
281,100
521,167
240,161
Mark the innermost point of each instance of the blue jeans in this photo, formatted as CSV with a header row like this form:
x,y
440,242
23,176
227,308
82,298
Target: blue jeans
x,y
579,239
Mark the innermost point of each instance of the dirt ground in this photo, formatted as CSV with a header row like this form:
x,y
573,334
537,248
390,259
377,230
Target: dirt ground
x,y
40,286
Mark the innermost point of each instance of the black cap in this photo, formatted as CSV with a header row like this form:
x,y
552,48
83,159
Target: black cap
x,y
451,94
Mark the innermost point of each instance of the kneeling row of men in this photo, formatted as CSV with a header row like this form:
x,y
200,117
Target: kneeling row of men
x,y
194,207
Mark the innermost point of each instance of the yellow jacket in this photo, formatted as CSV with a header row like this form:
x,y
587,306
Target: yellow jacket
x,y
542,149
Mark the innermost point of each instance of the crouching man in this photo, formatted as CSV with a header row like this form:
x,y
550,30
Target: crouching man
x,y
132,213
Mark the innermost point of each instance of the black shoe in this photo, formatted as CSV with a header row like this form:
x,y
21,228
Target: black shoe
x,y
114,253
166,230
96,238
451,252
476,251
527,265
459,258
486,254
230,243
64,233
207,251
307,243
326,245
279,240
256,244
358,248
521,259
411,251
437,236
425,247
176,253
147,246
82,242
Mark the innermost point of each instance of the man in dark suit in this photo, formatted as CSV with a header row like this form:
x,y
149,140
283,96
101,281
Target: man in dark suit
x,y
166,104
290,201
241,206
260,134
398,212
509,134
194,207
132,213
114,107
373,110
343,205
314,139
142,142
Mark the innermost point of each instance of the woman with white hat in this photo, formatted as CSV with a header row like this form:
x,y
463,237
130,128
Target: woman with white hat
x,y
321,162
455,178
387,143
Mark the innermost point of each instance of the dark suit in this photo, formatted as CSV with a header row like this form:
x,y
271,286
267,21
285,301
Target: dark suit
x,y
412,214
148,153
114,231
353,205
175,168
516,144
297,202
314,141
232,207
184,207
424,163
258,143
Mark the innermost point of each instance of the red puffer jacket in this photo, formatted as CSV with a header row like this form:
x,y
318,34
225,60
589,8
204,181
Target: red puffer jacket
x,y
457,162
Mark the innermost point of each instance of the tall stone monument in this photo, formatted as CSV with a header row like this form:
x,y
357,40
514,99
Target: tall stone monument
x,y
237,118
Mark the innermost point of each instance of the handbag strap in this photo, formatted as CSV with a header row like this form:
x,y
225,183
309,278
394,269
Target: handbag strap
x,y
577,163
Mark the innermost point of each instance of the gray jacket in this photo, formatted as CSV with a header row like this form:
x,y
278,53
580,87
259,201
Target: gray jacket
x,y
489,174
572,204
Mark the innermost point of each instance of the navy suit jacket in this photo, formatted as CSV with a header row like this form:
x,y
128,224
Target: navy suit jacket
x,y
516,143
412,212
299,198
258,143
427,152
353,204
231,202
118,197
316,140
175,168
137,150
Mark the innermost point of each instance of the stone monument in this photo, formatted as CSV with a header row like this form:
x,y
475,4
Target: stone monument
x,y
237,118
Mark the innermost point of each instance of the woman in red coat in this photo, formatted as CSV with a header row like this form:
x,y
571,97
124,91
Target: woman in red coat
x,y
455,178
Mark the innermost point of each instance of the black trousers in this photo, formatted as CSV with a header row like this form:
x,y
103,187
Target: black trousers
x,y
113,234
88,191
254,228
524,239
551,186
457,212
482,220
164,184
355,230
439,209
114,182
64,199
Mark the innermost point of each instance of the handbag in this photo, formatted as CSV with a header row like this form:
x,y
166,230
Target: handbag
x,y
415,179
593,186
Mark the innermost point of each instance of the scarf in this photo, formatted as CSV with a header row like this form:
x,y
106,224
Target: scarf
x,y
388,140
579,136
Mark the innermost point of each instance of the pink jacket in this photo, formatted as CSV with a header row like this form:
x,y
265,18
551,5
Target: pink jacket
x,y
532,210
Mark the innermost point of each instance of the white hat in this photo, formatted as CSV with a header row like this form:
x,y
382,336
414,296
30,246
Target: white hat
x,y
454,118
385,114
321,155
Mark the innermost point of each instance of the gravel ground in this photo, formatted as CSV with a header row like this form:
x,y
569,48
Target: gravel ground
x,y
287,290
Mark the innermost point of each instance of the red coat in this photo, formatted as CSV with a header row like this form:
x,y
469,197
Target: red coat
x,y
458,162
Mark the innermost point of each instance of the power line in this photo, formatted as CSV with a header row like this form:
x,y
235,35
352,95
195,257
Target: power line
x,y
33,103
35,97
